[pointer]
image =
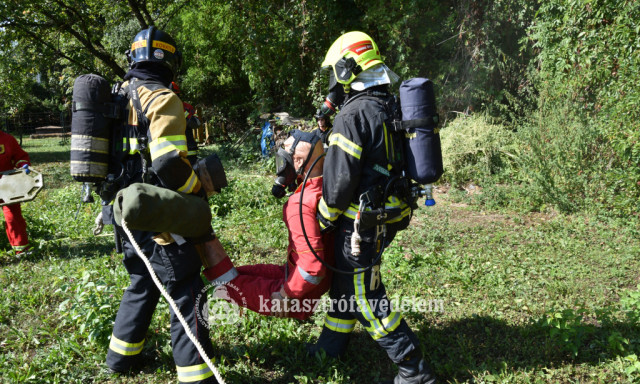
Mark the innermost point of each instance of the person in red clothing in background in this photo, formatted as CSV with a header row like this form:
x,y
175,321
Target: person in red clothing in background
x,y
193,122
12,156
271,289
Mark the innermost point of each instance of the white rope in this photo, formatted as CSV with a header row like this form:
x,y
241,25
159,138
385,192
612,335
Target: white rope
x,y
99,225
164,292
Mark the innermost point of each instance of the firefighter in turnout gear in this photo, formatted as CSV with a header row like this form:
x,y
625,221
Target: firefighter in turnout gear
x,y
152,148
12,156
324,128
358,167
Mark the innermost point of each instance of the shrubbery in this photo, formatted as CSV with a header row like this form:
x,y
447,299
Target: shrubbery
x,y
590,60
580,147
475,150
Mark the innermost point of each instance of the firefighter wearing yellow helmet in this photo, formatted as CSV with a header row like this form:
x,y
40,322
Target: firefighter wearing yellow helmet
x,y
359,164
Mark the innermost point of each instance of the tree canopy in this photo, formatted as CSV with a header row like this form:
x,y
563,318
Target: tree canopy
x,y
518,62
262,55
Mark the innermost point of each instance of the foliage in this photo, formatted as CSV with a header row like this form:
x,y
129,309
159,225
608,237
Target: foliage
x,y
631,305
475,150
89,305
258,55
260,52
569,329
561,161
566,329
598,77
489,58
45,45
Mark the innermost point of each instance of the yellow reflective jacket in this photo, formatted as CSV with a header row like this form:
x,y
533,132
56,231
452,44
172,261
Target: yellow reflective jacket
x,y
166,140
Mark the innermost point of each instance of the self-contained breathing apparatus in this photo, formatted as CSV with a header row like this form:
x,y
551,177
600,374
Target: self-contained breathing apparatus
x,y
415,158
99,114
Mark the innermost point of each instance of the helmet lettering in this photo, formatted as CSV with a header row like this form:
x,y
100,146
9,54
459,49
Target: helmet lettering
x,y
163,45
138,44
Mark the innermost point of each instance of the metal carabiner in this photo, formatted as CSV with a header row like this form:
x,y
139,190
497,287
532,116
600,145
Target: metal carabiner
x,y
355,236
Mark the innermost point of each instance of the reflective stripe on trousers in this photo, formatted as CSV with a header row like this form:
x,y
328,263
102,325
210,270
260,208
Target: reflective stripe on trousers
x,y
125,348
193,373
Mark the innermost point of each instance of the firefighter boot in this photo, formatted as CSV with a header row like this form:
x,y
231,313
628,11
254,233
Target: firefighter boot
x,y
334,344
413,370
218,266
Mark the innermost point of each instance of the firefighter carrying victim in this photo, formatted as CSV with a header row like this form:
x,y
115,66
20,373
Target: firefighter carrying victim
x,y
152,148
357,171
359,83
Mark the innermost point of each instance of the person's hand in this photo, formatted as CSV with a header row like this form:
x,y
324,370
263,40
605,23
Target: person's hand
x,y
26,168
279,303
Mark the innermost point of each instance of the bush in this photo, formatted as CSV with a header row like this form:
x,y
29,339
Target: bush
x,y
556,158
597,77
562,160
476,151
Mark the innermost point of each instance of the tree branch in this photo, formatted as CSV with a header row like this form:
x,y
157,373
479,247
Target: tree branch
x,y
135,8
173,12
150,20
35,37
97,51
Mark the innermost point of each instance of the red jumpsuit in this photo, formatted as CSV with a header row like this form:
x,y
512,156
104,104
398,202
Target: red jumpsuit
x,y
11,157
304,277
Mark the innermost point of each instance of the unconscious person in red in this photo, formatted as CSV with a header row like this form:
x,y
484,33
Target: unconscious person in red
x,y
13,156
294,289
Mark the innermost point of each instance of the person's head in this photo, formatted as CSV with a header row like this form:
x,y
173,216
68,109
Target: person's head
x,y
322,124
153,47
294,160
323,121
351,54
304,155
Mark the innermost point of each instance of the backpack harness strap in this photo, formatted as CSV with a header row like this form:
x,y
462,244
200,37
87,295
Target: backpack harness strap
x,y
405,125
143,122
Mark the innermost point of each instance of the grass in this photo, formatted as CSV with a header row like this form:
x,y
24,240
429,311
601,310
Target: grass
x,y
527,297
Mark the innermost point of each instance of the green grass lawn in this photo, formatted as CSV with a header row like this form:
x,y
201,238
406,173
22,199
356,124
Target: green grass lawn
x,y
526,297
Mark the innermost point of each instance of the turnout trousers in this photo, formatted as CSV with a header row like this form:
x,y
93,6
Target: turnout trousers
x,y
16,227
178,268
362,298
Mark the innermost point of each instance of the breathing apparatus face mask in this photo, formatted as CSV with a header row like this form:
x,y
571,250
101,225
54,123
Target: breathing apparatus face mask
x,y
287,174
334,99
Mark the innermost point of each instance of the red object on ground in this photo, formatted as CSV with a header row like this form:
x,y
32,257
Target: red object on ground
x,y
13,156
